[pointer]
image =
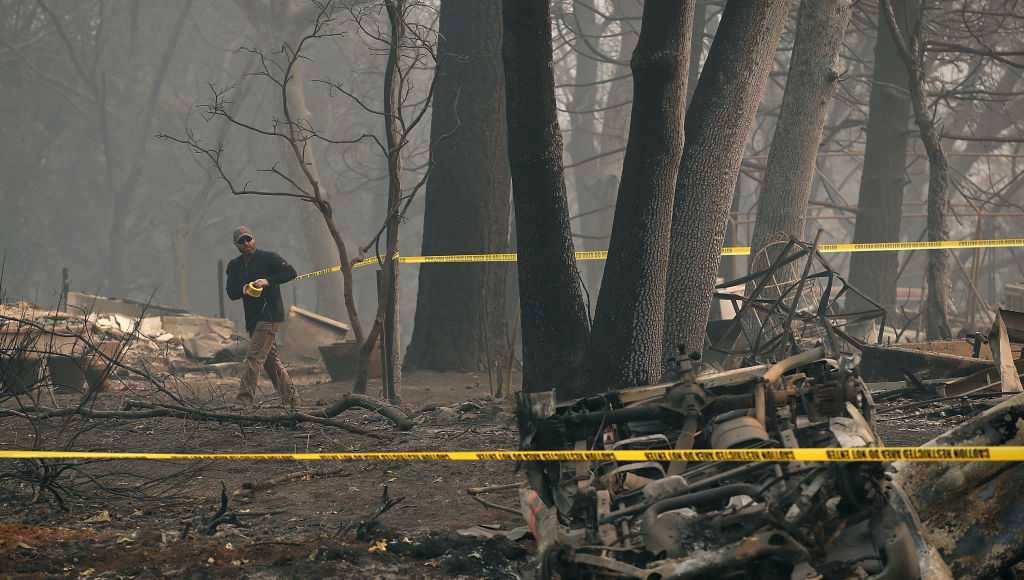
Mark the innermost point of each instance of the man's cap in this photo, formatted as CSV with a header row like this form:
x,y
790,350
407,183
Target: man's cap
x,y
239,232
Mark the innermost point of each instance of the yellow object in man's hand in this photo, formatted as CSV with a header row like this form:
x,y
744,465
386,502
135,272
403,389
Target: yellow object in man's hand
x,y
252,290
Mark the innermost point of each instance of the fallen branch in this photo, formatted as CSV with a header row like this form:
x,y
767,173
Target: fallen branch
x,y
476,492
251,486
391,412
490,488
222,516
493,505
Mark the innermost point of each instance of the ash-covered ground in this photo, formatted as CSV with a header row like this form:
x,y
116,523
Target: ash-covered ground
x,y
146,519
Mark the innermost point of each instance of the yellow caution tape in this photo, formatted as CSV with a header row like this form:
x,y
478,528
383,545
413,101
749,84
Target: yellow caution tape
x,y
727,251
912,246
320,272
770,455
251,289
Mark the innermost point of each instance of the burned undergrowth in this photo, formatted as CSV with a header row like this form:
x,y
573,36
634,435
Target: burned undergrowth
x,y
58,367
133,392
280,518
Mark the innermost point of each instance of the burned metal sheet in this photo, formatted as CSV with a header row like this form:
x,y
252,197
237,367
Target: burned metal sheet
x,y
891,363
971,510
1002,355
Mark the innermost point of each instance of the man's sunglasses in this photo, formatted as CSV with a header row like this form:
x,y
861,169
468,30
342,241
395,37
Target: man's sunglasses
x,y
243,240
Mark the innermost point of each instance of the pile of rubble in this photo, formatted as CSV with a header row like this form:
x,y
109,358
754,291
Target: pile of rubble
x,y
757,520
96,339
659,520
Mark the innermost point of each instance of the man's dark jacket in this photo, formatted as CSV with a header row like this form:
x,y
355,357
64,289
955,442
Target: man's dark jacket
x,y
261,264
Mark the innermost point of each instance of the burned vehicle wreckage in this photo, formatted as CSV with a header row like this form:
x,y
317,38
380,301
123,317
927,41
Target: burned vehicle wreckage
x,y
672,519
753,520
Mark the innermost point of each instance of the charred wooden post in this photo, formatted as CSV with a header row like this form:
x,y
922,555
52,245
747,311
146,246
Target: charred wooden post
x,y
65,287
220,288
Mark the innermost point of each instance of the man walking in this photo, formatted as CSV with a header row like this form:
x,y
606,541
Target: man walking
x,y
256,277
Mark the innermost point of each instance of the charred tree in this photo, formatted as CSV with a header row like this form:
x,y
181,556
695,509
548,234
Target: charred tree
x,y
880,205
554,318
718,124
401,46
626,342
812,82
460,308
810,85
393,131
911,50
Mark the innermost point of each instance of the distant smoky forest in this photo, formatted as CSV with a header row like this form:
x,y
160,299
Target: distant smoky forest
x,y
136,134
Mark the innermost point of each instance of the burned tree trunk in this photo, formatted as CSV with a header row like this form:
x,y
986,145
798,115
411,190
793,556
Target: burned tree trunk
x,y
460,308
718,124
554,318
393,127
911,51
626,343
812,82
880,205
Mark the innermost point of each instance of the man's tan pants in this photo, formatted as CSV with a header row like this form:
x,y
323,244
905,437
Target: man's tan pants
x,y
263,353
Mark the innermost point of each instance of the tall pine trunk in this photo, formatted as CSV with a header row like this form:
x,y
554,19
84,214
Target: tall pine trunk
x,y
911,50
812,82
880,205
460,308
554,319
810,85
393,130
718,124
626,342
